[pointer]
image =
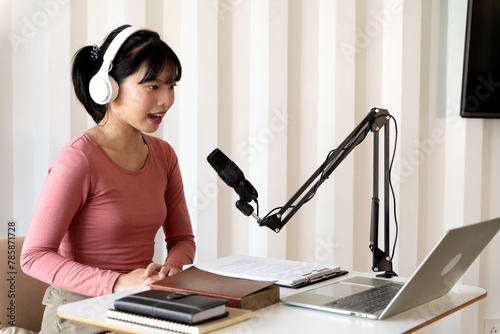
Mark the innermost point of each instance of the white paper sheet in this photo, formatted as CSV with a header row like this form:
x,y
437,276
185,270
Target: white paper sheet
x,y
285,272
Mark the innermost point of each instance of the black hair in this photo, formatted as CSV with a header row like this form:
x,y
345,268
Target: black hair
x,y
143,48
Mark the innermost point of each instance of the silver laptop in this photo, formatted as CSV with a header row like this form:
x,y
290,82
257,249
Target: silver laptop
x,y
436,276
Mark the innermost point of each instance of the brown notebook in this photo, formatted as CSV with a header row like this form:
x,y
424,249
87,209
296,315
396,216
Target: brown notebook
x,y
240,293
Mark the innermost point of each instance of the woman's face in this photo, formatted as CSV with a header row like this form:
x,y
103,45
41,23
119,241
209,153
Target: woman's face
x,y
141,106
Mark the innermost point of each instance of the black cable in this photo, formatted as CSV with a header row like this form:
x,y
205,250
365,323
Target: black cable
x,y
273,210
256,205
322,175
392,189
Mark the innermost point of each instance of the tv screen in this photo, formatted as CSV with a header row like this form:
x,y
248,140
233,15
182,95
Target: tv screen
x,y
481,77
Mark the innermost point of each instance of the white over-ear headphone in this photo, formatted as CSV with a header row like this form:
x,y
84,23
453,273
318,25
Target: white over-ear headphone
x,y
102,87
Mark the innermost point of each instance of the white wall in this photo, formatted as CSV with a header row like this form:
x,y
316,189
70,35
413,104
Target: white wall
x,y
276,84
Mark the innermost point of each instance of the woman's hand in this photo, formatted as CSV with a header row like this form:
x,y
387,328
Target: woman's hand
x,y
143,277
162,271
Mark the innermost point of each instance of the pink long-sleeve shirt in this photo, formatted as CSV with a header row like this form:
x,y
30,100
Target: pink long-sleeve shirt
x,y
95,220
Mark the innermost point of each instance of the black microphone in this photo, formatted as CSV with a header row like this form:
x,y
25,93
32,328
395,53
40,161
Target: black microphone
x,y
232,175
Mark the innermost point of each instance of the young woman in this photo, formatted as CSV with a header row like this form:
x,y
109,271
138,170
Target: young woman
x,y
112,187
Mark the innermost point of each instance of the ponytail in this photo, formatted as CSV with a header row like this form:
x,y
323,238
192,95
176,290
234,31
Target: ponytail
x,y
85,66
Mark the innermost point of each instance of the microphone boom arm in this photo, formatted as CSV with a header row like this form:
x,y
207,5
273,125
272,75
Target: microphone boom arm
x,y
373,122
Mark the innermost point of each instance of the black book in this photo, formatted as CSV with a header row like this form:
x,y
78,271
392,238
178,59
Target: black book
x,y
185,308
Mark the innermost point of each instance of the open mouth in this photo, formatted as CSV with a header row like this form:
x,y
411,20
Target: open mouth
x,y
156,117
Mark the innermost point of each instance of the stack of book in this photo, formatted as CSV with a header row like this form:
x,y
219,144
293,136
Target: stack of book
x,y
180,312
240,293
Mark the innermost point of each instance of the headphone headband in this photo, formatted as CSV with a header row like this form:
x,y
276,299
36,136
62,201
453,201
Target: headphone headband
x,y
102,87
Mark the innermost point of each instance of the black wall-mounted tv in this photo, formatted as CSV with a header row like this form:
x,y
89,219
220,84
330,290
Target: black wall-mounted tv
x,y
481,75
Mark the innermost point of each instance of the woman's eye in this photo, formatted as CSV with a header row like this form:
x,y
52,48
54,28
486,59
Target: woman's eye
x,y
153,87
173,86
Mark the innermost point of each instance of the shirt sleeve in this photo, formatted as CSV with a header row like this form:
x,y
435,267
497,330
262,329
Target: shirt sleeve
x,y
64,192
177,227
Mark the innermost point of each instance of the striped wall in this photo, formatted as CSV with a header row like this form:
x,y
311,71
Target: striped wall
x,y
276,85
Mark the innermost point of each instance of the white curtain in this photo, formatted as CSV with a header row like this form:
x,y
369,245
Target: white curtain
x,y
276,85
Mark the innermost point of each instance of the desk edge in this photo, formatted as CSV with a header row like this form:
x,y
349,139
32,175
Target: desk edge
x,y
445,314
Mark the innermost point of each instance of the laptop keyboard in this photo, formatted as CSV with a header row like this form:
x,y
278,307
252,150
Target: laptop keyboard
x,y
369,301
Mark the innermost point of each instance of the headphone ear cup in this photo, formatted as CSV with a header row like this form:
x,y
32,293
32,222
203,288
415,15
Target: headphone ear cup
x,y
103,88
99,89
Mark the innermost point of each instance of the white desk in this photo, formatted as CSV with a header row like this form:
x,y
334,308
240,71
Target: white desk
x,y
280,318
